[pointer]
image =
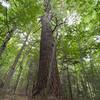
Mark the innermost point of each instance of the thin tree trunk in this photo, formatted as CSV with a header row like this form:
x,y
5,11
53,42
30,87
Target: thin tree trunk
x,y
31,77
4,44
69,84
6,40
84,76
20,69
18,78
13,67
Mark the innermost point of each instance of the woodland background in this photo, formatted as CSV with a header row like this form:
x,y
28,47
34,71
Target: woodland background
x,y
49,49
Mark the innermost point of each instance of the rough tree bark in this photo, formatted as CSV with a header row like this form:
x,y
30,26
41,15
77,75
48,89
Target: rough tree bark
x,y
47,62
45,53
54,86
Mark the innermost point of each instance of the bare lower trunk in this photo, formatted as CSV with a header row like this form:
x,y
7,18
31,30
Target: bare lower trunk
x,y
54,86
45,55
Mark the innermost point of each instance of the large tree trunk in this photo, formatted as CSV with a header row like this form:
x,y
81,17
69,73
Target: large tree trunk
x,y
48,77
45,54
54,86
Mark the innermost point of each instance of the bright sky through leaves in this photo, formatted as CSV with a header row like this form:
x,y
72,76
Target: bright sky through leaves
x,y
73,18
5,3
97,38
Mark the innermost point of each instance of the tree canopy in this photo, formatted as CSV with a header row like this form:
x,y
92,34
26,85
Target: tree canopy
x,y
72,27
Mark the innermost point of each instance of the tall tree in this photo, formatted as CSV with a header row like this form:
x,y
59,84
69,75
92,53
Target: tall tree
x,y
47,63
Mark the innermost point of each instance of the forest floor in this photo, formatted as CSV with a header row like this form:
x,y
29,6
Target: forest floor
x,y
15,97
24,97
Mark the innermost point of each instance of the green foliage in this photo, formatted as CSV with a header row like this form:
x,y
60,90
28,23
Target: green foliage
x,y
78,43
